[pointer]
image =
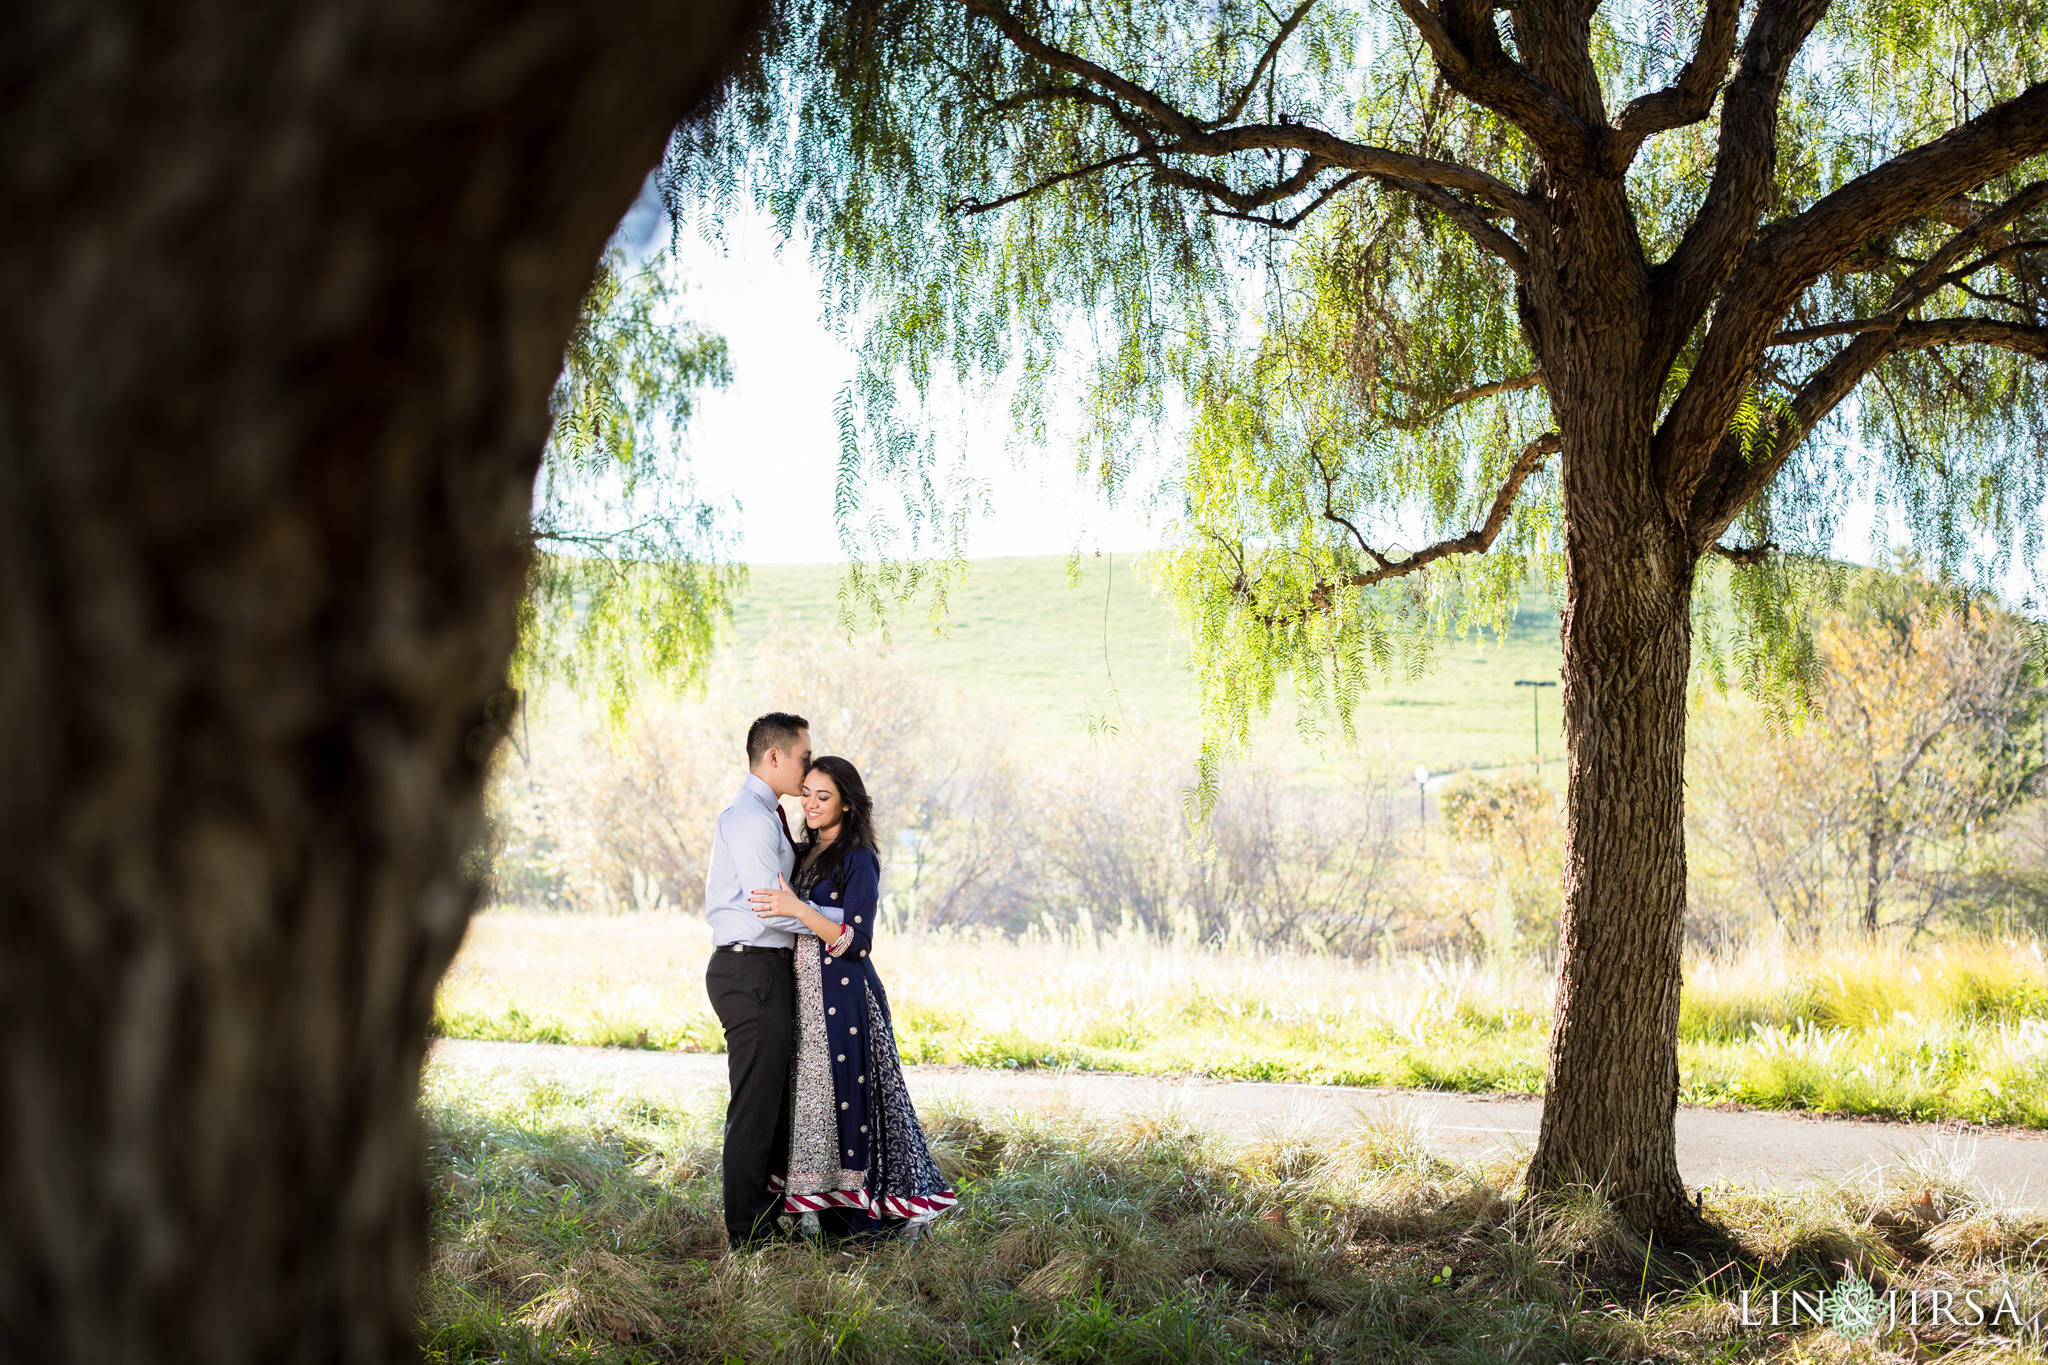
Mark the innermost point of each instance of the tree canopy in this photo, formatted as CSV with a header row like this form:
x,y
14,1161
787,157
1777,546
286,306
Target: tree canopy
x,y
1300,241
633,574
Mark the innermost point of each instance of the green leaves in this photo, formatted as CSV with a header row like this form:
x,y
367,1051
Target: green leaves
x,y
1018,203
632,576
1115,310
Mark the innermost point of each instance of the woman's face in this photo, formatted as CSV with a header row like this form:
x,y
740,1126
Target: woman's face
x,y
822,806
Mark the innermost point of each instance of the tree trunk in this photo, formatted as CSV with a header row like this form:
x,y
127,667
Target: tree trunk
x,y
1612,1093
286,287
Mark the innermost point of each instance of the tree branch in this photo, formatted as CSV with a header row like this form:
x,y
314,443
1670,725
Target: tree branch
x,y
1466,47
1744,554
1240,200
1745,167
1323,595
1080,94
1934,273
1520,382
1472,542
1331,191
1734,479
2019,337
1794,253
1331,514
1343,154
1135,106
1489,237
1553,40
1292,22
1793,336
1687,100
967,208
1991,223
1140,97
1998,256
1781,263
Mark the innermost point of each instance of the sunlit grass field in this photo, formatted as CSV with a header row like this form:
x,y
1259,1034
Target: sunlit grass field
x,y
1957,1031
1045,664
584,1226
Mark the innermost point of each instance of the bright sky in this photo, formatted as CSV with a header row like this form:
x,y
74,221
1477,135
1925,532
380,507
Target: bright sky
x,y
770,439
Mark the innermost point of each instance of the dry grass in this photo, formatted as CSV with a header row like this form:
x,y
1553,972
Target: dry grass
x,y
1957,1031
583,1226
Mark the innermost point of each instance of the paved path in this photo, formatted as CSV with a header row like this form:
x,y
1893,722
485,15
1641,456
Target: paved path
x,y
1714,1146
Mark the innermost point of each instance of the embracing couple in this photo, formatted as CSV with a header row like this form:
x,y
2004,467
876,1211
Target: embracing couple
x,y
819,1120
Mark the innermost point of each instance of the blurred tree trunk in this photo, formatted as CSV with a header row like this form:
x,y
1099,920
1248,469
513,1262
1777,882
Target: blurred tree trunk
x,y
285,289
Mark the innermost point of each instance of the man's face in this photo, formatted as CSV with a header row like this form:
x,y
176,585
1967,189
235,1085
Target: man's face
x,y
786,767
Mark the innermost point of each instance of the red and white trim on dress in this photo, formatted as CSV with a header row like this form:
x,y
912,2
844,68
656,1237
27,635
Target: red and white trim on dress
x,y
915,1209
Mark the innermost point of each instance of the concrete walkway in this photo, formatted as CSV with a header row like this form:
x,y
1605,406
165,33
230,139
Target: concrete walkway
x,y
1714,1146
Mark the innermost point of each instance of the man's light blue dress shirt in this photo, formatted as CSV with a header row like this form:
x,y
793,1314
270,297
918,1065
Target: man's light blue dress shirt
x,y
750,850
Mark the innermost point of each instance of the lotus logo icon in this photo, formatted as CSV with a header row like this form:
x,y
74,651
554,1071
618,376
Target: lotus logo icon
x,y
1854,1309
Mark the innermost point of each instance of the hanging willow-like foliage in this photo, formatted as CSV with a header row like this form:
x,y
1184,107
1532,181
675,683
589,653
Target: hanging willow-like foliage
x,y
1298,245
633,575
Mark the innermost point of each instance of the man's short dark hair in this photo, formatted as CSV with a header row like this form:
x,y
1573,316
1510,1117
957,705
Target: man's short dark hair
x,y
776,730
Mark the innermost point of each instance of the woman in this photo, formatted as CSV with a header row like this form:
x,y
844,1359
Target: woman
x,y
857,1157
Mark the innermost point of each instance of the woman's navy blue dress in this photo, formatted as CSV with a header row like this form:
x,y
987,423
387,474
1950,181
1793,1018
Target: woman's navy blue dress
x,y
855,1143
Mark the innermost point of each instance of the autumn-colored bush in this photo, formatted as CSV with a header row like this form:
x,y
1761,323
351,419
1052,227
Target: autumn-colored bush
x,y
1880,806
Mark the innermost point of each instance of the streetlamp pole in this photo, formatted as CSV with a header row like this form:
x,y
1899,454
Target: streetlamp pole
x,y
1535,723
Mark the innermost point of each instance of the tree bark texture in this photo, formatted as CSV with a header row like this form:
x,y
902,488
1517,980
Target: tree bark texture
x,y
285,290
1611,1093
1611,1096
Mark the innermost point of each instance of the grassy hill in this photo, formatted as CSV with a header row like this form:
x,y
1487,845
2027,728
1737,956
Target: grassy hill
x,y
1020,643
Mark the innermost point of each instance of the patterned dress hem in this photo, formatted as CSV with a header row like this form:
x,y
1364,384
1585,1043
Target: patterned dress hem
x,y
911,1209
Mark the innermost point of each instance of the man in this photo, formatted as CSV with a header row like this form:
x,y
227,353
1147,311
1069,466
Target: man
x,y
750,980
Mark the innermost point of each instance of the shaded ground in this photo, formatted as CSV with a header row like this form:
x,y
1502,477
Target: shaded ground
x,y
1715,1147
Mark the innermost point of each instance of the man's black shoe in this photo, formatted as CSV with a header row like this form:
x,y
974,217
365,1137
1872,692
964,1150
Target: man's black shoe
x,y
783,1232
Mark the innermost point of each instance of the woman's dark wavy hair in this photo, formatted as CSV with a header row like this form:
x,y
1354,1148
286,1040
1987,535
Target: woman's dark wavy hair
x,y
856,827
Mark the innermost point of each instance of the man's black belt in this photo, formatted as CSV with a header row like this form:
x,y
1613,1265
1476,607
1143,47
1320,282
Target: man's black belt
x,y
754,948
